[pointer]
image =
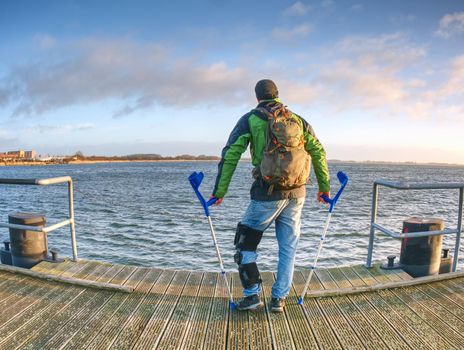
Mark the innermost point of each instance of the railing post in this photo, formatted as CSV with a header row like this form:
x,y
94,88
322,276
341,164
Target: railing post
x,y
375,192
71,217
459,228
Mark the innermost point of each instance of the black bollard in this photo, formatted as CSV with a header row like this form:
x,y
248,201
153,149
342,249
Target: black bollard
x,y
5,254
446,262
420,256
28,248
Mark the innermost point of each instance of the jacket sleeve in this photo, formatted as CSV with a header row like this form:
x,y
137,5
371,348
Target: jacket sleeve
x,y
237,144
317,153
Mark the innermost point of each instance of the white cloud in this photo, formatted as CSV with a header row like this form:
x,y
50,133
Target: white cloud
x,y
328,3
45,41
95,70
454,86
298,8
59,129
451,24
357,7
290,34
377,74
7,140
299,92
392,51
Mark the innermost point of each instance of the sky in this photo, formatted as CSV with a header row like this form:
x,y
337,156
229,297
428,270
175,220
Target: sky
x,y
377,80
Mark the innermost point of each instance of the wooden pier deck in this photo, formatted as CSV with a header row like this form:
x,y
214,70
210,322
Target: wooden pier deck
x,y
189,310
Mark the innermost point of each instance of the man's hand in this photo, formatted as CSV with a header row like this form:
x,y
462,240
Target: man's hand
x,y
218,200
319,198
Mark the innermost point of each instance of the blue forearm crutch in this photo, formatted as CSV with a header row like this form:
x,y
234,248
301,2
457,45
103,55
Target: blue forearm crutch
x,y
195,180
332,201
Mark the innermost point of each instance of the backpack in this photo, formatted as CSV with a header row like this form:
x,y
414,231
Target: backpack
x,y
285,164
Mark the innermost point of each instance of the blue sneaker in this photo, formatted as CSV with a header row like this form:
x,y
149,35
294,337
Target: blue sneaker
x,y
277,304
252,302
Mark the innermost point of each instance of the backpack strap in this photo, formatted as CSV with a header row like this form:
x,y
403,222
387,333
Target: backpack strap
x,y
261,112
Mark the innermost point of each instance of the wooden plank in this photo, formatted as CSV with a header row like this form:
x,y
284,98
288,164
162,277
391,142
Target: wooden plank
x,y
364,274
381,281
11,286
196,331
217,332
25,298
123,276
33,300
341,327
457,285
74,268
24,305
323,331
260,336
54,268
352,276
63,324
174,333
429,319
71,326
300,327
43,266
375,331
110,274
340,279
280,333
8,276
113,326
391,313
416,320
84,303
424,321
42,305
132,327
98,272
440,305
239,326
452,292
15,326
159,320
30,329
406,329
402,274
419,324
444,328
108,312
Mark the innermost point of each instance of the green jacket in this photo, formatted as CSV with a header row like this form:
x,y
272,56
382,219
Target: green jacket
x,y
251,129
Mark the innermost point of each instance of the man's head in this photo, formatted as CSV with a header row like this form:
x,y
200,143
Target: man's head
x,y
266,89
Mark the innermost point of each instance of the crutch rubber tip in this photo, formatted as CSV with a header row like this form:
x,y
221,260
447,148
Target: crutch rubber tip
x,y
300,301
232,305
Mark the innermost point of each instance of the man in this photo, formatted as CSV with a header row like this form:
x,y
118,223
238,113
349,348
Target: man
x,y
273,198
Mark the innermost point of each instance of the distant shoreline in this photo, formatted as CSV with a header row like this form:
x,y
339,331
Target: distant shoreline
x,y
38,163
100,161
141,161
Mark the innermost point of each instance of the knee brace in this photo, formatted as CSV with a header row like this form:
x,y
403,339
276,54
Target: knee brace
x,y
249,275
247,238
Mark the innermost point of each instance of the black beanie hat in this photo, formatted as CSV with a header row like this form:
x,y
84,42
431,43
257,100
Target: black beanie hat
x,y
266,89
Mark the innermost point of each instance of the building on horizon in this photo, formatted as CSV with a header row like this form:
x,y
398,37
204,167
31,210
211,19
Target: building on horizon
x,y
30,155
18,155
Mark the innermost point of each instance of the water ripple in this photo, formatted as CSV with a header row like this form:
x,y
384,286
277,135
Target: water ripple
x,y
146,213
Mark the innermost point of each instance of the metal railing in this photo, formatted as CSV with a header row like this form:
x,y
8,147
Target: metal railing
x,y
47,229
414,186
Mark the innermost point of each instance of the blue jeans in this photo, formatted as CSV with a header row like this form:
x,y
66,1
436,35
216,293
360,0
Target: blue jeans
x,y
287,216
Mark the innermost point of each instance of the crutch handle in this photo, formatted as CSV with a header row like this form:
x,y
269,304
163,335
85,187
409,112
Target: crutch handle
x,y
195,180
332,201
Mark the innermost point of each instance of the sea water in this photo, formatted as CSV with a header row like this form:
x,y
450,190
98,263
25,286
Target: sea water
x,y
147,214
